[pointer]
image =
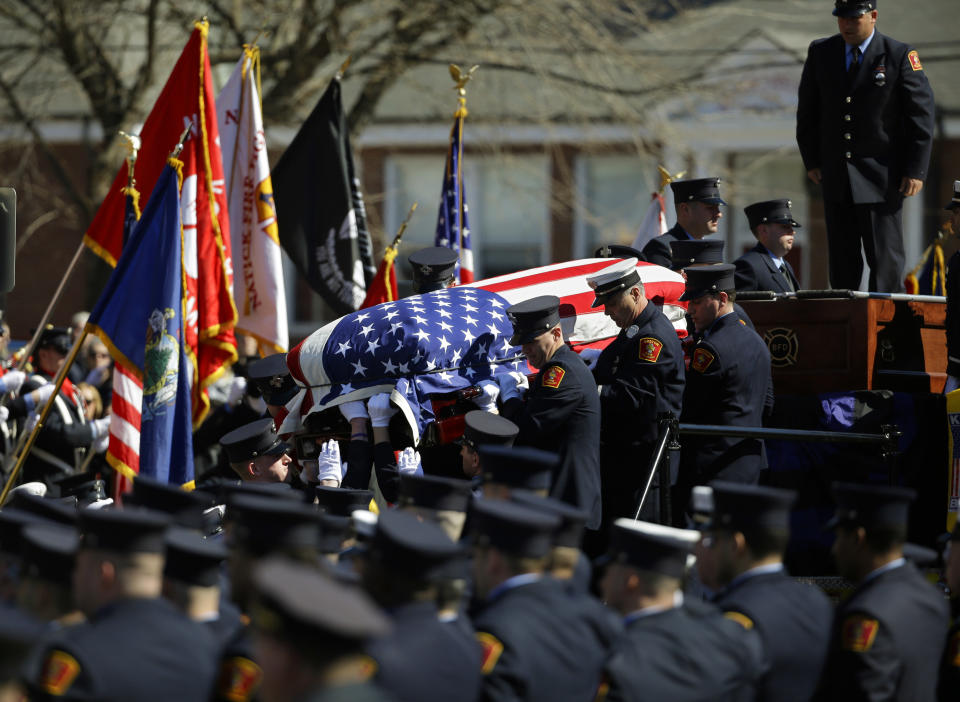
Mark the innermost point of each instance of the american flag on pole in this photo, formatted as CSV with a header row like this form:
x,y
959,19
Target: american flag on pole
x,y
436,342
453,225
451,339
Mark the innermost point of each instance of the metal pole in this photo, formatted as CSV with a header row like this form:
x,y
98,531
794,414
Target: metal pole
x,y
58,383
654,464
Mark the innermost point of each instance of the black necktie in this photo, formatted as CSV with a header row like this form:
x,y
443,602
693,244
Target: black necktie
x,y
786,277
854,65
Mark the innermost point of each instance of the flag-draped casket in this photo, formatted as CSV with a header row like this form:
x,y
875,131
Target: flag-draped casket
x,y
450,339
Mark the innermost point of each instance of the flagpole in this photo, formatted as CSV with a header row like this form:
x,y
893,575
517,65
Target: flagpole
x,y
460,80
403,226
58,383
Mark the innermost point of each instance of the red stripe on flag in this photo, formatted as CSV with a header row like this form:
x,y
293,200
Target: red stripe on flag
x,y
123,409
546,276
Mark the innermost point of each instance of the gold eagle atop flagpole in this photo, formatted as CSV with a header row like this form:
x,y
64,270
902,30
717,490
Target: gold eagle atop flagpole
x,y
666,178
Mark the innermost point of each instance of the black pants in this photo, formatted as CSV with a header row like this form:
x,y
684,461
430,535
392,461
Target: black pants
x,y
880,228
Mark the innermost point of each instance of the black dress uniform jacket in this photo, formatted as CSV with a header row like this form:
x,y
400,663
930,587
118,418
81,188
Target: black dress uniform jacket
x,y
949,682
562,414
541,643
728,383
793,620
657,249
757,271
65,431
238,676
642,374
424,659
689,653
887,640
890,109
133,649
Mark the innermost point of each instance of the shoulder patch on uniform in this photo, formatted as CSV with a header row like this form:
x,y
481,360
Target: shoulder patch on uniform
x,y
59,671
603,689
552,377
650,349
740,618
239,679
742,322
858,633
701,360
914,59
492,648
953,651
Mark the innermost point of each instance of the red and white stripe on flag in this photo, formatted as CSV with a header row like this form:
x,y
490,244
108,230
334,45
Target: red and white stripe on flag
x,y
582,324
123,451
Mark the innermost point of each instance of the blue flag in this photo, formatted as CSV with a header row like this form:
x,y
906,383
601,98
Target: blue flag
x,y
140,318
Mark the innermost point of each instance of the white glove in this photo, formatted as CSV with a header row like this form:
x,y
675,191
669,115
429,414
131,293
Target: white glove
x,y
328,461
31,422
381,410
101,443
11,381
953,382
40,396
4,414
354,410
409,462
238,386
590,357
101,428
488,400
512,384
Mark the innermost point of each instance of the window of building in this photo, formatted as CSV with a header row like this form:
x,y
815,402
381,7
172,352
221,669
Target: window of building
x,y
613,195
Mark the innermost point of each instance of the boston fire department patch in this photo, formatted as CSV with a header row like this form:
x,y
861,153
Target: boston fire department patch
x,y
858,633
492,648
650,349
552,377
701,360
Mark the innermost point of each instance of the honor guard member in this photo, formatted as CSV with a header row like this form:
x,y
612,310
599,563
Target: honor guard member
x,y
134,645
257,527
888,635
641,375
421,658
865,122
310,635
953,299
745,540
764,267
567,562
433,268
272,378
509,468
700,252
191,582
66,434
950,664
443,501
698,204
479,429
728,383
654,659
561,412
539,642
46,571
258,455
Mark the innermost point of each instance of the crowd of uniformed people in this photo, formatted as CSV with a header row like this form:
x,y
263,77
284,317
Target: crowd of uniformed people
x,y
541,562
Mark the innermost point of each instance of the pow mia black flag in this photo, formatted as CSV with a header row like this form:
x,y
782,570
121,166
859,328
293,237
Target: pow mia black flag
x,y
320,210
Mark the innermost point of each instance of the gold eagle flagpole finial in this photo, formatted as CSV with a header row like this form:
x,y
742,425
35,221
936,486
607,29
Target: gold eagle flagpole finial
x,y
666,178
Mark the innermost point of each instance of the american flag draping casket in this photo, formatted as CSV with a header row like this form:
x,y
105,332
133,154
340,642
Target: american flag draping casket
x,y
450,339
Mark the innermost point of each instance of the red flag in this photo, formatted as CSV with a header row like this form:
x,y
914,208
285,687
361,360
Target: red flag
x,y
383,287
187,100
